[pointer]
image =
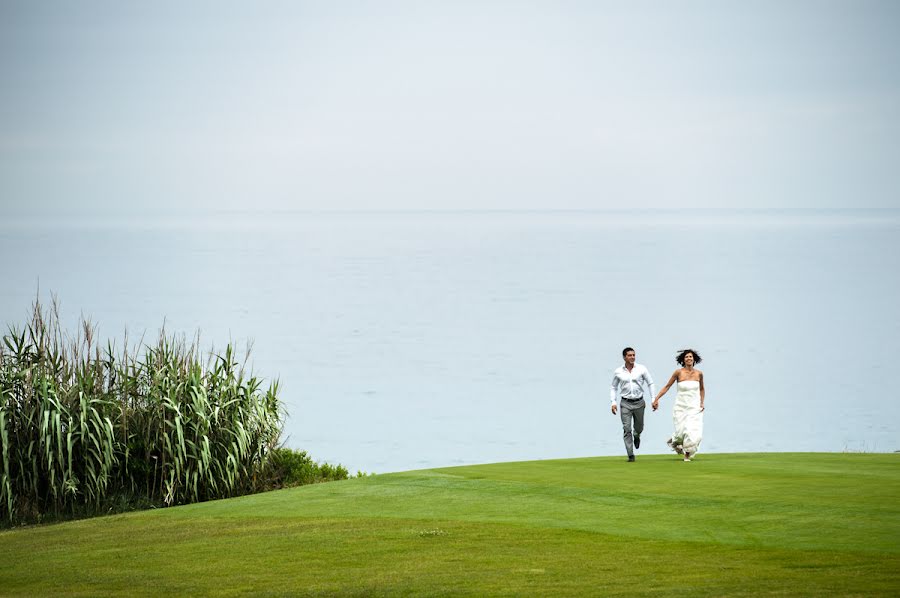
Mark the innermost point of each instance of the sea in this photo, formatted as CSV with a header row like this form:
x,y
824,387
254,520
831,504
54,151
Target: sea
x,y
410,340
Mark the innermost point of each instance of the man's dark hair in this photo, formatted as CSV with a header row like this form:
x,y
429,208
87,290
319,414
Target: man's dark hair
x,y
626,350
683,352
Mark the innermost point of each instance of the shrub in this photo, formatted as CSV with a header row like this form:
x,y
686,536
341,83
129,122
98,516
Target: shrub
x,y
289,467
85,430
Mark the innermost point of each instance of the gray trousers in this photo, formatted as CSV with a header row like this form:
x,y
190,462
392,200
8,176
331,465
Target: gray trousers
x,y
631,410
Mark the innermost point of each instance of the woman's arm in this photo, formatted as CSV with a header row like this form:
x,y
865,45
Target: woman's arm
x,y
665,389
702,392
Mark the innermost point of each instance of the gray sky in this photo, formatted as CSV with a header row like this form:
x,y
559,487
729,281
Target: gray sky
x,y
117,107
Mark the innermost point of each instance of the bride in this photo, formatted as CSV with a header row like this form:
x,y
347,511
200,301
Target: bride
x,y
688,410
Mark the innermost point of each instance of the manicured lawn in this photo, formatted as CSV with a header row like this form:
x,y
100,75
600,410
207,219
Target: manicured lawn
x,y
727,524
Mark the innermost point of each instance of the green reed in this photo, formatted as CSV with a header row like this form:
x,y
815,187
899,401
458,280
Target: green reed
x,y
84,427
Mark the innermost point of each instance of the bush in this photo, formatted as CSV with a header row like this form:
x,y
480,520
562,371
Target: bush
x,y
289,468
85,430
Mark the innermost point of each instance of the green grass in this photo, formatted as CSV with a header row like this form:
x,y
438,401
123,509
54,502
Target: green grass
x,y
723,525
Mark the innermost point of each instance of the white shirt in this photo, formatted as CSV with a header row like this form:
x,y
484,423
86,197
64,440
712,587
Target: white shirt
x,y
630,385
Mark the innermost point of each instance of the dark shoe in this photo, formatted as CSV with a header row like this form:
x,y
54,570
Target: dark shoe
x,y
637,441
631,458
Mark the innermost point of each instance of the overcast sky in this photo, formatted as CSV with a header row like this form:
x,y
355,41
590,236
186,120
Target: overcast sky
x,y
117,107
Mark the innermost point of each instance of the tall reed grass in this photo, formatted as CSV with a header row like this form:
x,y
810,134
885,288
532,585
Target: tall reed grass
x,y
84,427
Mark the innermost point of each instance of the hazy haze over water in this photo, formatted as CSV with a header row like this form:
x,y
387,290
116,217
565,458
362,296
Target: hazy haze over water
x,y
407,340
128,106
296,173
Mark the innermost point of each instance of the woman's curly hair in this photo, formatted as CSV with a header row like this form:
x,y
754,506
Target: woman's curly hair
x,y
680,357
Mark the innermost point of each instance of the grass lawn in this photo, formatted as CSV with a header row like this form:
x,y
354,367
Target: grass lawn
x,y
723,525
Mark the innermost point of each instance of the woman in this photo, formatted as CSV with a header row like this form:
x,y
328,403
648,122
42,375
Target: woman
x,y
688,410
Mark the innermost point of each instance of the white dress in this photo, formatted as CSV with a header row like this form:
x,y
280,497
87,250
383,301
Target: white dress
x,y
688,418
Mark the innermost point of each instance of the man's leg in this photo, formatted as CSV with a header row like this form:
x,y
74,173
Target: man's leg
x,y
626,414
638,413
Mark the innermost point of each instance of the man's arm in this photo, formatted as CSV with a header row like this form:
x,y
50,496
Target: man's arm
x,y
649,380
612,393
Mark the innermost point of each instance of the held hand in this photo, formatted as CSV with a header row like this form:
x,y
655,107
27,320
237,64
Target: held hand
x,y
614,408
702,408
655,404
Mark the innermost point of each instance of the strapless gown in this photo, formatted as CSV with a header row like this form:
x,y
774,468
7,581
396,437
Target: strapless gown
x,y
688,418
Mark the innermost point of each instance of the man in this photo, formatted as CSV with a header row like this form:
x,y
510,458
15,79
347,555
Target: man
x,y
628,383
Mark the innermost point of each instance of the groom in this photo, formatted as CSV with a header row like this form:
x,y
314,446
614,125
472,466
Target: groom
x,y
628,383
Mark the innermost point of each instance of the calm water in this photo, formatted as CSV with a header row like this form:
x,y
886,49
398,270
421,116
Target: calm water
x,y
416,340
